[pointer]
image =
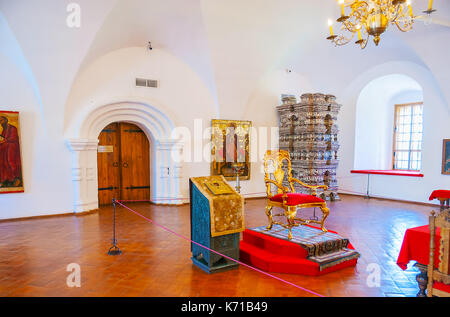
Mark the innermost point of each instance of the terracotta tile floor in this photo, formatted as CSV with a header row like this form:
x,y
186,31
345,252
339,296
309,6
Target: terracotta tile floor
x,y
34,254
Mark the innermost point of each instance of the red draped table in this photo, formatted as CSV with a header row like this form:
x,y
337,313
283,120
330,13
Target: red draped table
x,y
416,247
443,196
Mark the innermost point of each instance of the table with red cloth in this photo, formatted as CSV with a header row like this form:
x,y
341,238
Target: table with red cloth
x,y
443,196
416,247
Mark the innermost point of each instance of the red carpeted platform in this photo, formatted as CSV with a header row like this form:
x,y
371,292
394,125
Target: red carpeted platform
x,y
276,255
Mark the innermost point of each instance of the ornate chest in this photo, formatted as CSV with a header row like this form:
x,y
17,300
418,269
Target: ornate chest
x,y
217,218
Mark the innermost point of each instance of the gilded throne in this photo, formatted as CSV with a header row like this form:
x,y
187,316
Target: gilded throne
x,y
286,197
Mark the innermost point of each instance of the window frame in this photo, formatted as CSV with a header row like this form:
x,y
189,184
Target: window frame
x,y
394,150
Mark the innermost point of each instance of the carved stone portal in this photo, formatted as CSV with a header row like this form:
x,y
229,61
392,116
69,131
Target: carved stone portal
x,y
308,131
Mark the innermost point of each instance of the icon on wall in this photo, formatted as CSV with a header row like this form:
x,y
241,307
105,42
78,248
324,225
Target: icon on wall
x,y
230,147
446,157
11,179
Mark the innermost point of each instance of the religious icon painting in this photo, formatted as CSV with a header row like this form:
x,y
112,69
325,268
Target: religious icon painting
x,y
230,148
446,157
11,178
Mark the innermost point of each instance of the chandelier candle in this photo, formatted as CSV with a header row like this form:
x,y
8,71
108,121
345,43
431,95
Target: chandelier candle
x,y
410,8
341,2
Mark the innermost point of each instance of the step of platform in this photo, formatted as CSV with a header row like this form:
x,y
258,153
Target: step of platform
x,y
275,255
273,245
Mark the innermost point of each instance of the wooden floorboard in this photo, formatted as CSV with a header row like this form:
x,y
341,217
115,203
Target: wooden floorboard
x,y
35,254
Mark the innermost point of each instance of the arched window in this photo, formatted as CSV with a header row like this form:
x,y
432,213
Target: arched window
x,y
408,132
376,139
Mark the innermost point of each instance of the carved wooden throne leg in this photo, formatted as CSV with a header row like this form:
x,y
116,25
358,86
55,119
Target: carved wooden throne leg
x,y
290,233
325,213
291,213
269,215
290,223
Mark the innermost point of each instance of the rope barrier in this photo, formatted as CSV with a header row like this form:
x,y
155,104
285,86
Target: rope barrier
x,y
218,253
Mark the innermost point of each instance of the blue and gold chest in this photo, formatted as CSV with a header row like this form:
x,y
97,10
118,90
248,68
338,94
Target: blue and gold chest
x,y
217,218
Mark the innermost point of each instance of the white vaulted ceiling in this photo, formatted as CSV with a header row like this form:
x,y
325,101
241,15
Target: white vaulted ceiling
x,y
172,25
231,45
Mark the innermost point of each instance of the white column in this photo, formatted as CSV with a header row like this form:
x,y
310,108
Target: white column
x,y
84,173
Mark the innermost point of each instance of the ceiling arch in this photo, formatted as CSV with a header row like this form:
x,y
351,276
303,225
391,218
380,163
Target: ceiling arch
x,y
175,26
11,49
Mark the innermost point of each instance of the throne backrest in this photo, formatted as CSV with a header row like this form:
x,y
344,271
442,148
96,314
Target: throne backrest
x,y
441,274
274,161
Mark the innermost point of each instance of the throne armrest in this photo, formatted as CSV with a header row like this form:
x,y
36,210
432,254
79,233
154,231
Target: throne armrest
x,y
314,188
284,189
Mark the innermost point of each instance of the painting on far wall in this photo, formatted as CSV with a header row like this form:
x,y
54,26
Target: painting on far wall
x,y
446,157
230,148
11,179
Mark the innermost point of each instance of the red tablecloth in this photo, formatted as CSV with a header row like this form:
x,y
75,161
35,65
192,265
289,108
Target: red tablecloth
x,y
416,247
389,172
441,193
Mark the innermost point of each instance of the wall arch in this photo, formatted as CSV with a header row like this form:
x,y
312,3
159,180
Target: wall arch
x,y
349,98
375,118
82,140
436,114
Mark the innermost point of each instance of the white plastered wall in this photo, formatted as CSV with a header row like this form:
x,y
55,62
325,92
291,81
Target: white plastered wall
x,y
180,100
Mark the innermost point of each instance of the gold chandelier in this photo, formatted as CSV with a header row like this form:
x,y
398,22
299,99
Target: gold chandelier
x,y
371,18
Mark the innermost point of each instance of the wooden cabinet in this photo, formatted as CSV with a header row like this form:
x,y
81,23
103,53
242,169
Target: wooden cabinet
x,y
123,163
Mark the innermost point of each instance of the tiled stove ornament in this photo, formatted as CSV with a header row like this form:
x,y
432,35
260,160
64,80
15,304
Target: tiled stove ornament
x,y
309,132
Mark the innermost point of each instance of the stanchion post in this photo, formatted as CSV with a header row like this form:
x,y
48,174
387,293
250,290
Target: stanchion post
x,y
368,186
114,250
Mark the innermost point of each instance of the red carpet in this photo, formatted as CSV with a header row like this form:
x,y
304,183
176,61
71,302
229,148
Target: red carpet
x,y
276,255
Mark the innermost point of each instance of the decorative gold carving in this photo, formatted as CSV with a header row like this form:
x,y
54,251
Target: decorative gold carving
x,y
273,166
441,274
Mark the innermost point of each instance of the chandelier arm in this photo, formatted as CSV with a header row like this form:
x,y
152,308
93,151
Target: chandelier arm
x,y
356,15
342,40
363,46
397,13
407,28
350,27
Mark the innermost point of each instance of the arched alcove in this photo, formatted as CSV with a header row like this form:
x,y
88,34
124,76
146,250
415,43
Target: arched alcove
x,y
374,122
435,128
82,139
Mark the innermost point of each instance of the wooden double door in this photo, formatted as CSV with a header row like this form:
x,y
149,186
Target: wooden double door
x,y
123,163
